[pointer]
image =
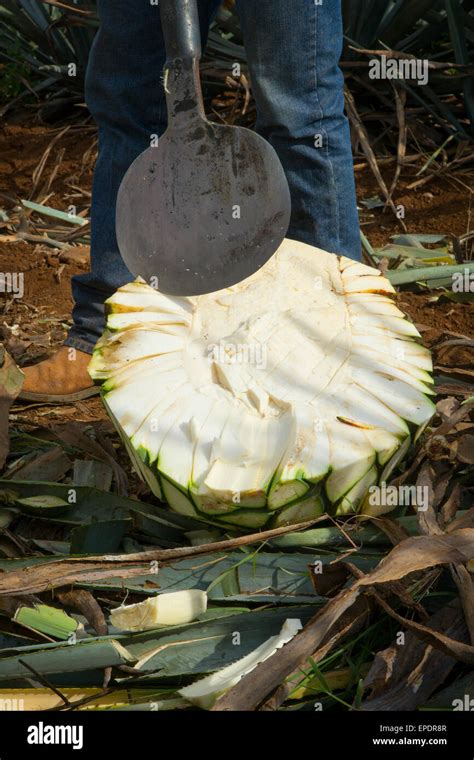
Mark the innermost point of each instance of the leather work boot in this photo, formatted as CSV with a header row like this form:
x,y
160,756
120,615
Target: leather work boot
x,y
60,379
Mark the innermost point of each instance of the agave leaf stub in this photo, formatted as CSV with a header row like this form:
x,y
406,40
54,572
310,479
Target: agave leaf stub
x,y
234,404
174,608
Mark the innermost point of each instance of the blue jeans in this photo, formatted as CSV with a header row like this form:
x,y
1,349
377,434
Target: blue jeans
x,y
293,50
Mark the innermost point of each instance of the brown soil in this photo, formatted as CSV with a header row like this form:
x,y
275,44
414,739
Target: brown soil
x,y
453,317
441,206
32,326
43,287
21,148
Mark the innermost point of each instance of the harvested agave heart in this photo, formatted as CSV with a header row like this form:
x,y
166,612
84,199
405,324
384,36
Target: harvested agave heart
x,y
265,404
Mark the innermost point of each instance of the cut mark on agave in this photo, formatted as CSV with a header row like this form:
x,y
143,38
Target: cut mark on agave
x,y
240,401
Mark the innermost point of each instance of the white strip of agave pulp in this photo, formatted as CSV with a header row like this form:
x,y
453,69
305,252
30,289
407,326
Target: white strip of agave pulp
x,y
206,692
174,608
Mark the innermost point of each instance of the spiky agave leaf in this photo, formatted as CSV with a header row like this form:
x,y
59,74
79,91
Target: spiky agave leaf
x,y
296,390
48,38
205,692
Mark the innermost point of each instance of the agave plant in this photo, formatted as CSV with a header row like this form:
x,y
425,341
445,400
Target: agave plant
x,y
269,402
437,31
47,36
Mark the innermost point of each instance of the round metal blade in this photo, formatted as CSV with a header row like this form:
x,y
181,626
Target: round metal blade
x,y
203,210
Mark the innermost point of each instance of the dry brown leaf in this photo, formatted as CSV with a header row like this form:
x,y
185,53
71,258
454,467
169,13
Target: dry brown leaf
x,y
465,584
404,676
11,381
465,520
452,647
48,465
392,528
460,389
410,471
466,375
83,601
65,572
446,407
420,552
464,447
451,506
426,514
443,479
414,554
330,580
73,434
350,623
458,415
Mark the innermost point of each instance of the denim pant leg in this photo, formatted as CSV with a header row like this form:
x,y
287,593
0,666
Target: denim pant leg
x,y
124,93
293,50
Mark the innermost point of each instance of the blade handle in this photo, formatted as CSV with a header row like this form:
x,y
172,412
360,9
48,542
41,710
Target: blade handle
x,y
181,30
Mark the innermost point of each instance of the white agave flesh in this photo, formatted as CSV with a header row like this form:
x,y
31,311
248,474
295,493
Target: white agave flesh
x,y
306,509
358,406
307,370
394,350
406,401
238,380
134,370
149,436
351,502
245,459
146,390
352,455
397,325
128,346
138,296
368,298
351,268
175,458
378,306
236,402
204,444
175,608
368,362
129,321
384,443
306,459
377,331
150,477
367,284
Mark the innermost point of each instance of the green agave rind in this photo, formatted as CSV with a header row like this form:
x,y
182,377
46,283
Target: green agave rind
x,y
295,391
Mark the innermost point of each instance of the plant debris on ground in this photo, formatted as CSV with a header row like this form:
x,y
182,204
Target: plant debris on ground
x,y
385,603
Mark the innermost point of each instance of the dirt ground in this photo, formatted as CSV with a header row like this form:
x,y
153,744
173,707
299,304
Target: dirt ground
x,y
57,163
